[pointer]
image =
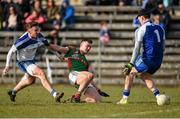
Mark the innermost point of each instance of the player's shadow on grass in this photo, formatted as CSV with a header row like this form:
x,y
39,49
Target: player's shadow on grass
x,y
107,102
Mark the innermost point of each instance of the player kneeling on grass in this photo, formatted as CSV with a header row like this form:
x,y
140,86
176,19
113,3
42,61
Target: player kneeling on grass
x,y
79,75
26,47
152,39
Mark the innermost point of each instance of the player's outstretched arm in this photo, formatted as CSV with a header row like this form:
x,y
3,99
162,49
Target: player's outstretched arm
x,y
127,68
8,59
57,48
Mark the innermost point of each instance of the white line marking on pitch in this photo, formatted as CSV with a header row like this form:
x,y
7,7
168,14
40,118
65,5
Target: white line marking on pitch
x,y
139,113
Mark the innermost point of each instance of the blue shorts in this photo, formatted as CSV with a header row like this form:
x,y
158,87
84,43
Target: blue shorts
x,y
24,64
141,66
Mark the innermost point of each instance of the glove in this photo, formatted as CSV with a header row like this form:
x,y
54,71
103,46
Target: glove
x,y
127,68
103,93
46,43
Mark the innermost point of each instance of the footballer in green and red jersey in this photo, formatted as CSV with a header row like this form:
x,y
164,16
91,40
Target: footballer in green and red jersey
x,y
76,60
79,74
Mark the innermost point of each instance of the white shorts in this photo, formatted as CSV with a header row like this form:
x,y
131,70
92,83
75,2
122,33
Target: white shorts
x,y
27,66
73,77
30,69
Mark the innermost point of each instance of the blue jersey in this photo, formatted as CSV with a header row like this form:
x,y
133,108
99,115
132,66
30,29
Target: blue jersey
x,y
149,48
151,38
153,43
26,47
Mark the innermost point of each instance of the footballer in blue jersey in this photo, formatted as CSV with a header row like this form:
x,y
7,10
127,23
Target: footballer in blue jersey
x,y
26,47
147,55
151,37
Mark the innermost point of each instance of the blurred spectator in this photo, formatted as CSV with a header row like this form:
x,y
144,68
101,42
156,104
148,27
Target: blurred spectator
x,y
23,8
53,35
104,35
54,38
57,22
67,14
13,20
175,2
51,14
36,17
150,4
100,2
164,16
51,10
105,2
91,2
7,4
124,2
157,20
1,16
139,2
37,5
53,21
3,3
166,3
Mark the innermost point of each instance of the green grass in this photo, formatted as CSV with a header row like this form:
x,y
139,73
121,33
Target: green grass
x,y
35,101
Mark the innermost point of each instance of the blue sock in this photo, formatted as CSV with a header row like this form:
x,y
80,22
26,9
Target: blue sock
x,y
126,93
156,92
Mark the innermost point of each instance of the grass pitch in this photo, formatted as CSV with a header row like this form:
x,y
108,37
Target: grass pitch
x,y
35,101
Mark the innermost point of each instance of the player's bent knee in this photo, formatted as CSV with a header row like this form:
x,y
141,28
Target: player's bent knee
x,y
36,71
40,74
90,76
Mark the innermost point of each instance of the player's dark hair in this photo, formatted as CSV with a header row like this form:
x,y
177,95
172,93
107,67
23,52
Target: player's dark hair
x,y
31,24
145,12
147,16
87,40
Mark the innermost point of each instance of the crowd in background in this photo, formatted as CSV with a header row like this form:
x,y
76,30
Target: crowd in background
x,y
130,2
16,13
159,9
51,17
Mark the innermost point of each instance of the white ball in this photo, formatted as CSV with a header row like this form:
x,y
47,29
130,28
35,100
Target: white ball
x,y
163,100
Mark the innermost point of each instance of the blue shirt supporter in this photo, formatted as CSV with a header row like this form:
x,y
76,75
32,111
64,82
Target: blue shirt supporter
x,y
67,12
